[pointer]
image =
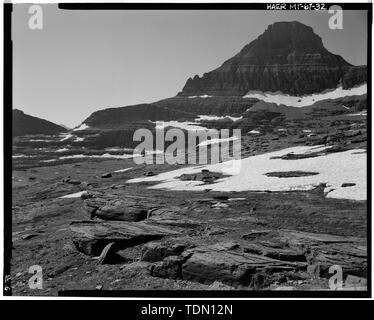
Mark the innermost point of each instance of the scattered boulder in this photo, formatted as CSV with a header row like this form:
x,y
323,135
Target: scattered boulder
x,y
149,174
209,179
91,237
107,175
71,181
116,209
87,185
120,210
157,251
85,195
205,175
290,174
74,182
29,236
348,184
170,267
294,156
255,234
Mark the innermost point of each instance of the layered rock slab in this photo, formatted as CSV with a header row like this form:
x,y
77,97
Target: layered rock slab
x,y
270,255
318,249
207,264
91,237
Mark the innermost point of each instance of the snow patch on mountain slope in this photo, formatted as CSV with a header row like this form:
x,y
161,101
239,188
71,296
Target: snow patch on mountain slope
x,y
216,140
362,113
65,136
40,140
74,195
202,96
123,170
303,101
83,126
213,118
105,155
190,126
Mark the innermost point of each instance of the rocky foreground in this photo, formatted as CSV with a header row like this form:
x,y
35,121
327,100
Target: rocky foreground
x,y
89,229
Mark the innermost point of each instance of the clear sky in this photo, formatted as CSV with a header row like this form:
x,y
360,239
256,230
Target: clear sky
x,y
83,61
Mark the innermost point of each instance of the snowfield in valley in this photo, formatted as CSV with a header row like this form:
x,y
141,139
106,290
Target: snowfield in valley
x,y
248,174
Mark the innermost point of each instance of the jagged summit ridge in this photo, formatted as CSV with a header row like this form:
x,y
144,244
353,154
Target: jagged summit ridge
x,y
287,57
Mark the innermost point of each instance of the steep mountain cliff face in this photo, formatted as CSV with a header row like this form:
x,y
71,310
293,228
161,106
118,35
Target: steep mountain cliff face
x,y
288,57
220,106
354,76
24,124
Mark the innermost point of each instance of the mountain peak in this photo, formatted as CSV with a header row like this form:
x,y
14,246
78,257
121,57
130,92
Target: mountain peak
x,y
288,43
295,34
287,57
292,26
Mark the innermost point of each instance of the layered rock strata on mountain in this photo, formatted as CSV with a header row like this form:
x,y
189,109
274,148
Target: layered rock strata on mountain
x,y
288,57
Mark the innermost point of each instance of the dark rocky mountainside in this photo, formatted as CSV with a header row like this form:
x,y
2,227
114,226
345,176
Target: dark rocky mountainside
x,y
354,76
287,57
219,106
24,124
140,112
176,108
